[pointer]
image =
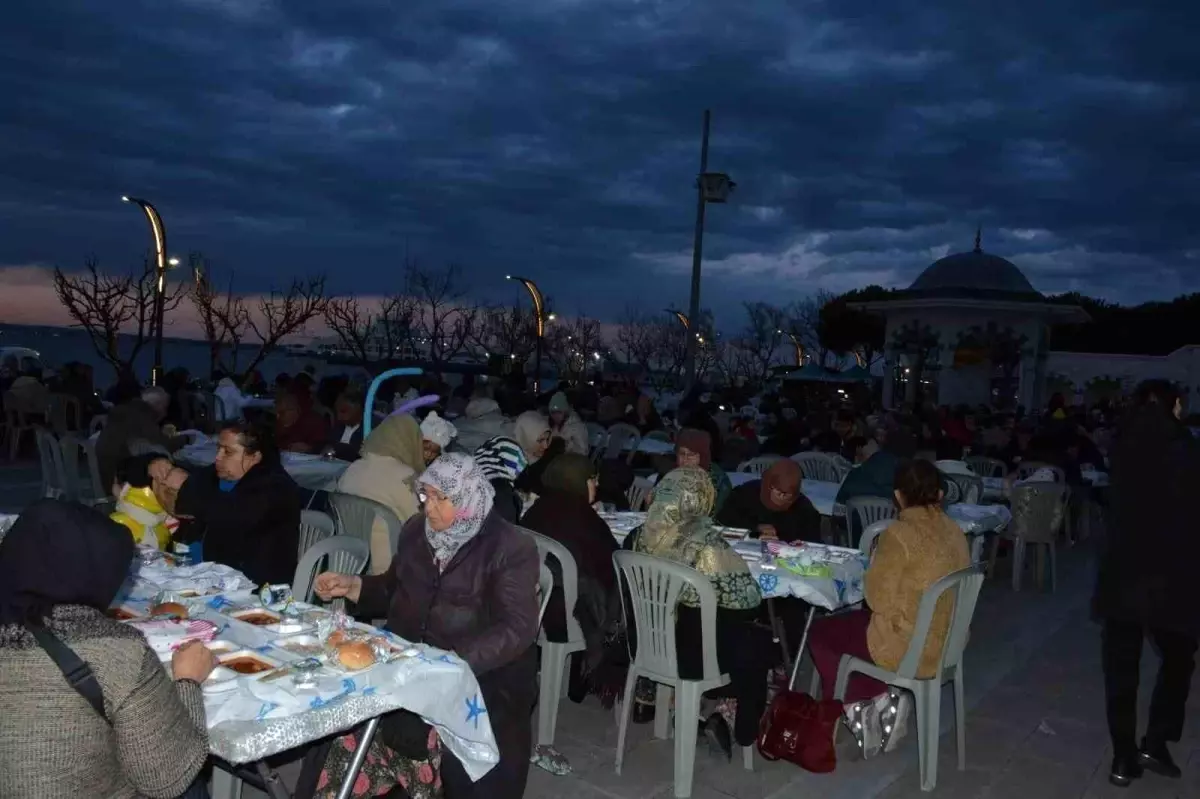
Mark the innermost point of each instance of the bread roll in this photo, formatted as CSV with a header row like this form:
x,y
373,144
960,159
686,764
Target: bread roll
x,y
336,638
170,609
356,655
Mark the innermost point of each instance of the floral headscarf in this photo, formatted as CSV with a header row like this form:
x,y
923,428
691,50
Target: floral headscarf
x,y
461,480
678,528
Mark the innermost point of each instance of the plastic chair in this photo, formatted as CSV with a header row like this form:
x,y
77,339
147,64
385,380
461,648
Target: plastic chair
x,y
985,466
356,517
1028,469
65,413
619,436
54,473
760,464
871,533
970,487
555,654
655,586
1038,511
97,424
927,693
345,554
842,465
862,512
315,526
88,490
817,466
639,493
17,421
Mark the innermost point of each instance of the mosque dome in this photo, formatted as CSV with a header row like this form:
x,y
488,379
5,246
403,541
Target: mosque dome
x,y
974,274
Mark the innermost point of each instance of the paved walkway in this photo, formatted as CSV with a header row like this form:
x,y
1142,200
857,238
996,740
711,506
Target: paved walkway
x,y
1035,724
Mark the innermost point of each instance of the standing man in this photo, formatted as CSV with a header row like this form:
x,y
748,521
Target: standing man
x,y
1146,588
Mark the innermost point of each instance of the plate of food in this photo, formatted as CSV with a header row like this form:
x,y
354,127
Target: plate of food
x,y
271,621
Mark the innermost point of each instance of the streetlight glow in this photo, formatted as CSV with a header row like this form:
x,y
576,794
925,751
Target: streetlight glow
x,y
159,233
173,261
124,198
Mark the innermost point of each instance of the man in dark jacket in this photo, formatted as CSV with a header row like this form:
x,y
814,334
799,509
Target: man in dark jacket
x,y
1146,585
347,437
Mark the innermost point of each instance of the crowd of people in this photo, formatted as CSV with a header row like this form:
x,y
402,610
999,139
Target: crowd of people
x,y
464,469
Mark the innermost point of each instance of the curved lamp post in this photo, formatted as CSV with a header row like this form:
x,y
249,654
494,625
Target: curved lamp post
x,y
159,232
795,343
682,317
540,318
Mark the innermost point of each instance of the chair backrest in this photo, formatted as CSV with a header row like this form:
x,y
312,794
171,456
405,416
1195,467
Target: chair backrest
x,y
88,489
658,435
639,493
654,589
866,544
545,591
817,466
865,511
343,553
985,466
970,487
54,474
760,464
549,548
1027,469
619,435
314,526
842,465
65,413
965,585
1038,510
356,516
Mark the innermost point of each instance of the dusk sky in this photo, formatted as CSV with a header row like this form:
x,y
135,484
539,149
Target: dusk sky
x,y
560,140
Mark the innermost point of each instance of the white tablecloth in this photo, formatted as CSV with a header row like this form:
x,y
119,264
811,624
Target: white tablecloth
x,y
652,446
825,576
258,719
6,521
309,471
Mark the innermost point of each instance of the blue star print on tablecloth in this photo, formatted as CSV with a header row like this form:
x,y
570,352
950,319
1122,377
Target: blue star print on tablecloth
x,y
768,582
445,659
266,708
474,710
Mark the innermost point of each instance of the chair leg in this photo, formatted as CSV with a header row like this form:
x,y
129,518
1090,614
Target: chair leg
x,y
814,684
626,707
1053,568
1018,562
225,785
748,758
928,701
960,717
687,708
553,658
662,712
995,550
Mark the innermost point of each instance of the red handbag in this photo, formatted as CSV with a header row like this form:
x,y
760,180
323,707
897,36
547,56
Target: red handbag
x,y
799,729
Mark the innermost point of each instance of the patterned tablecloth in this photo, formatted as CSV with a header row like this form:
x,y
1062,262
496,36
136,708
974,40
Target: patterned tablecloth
x,y
255,719
313,472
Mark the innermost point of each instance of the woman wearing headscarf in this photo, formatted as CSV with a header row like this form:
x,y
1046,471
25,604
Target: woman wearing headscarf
x,y
532,431
679,528
502,460
773,507
392,457
693,449
463,580
566,424
436,435
128,730
564,512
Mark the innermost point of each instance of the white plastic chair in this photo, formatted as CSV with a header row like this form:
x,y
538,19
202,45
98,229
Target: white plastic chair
x,y
346,555
54,473
985,466
927,693
969,488
760,464
842,465
871,533
315,526
817,466
654,589
639,493
88,490
862,512
1028,469
356,517
1038,513
621,435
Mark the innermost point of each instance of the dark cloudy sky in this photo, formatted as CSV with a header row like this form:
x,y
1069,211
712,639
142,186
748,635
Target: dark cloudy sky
x,y
559,139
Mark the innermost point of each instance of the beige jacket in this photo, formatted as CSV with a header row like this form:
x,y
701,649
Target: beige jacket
x,y
388,482
918,549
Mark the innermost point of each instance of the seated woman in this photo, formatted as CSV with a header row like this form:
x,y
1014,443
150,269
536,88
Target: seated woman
x,y
678,528
564,512
436,435
919,548
392,458
298,428
244,509
501,460
466,581
693,449
126,730
774,507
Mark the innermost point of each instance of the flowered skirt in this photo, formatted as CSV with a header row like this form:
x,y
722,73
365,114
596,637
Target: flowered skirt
x,y
382,771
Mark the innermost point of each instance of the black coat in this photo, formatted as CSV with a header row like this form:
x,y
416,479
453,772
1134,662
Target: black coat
x,y
745,509
1147,570
255,528
349,451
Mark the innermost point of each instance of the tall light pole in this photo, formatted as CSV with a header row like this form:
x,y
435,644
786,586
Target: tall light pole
x,y
159,232
682,317
540,318
711,187
795,343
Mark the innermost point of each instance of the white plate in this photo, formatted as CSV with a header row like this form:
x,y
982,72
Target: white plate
x,y
283,627
301,645
273,663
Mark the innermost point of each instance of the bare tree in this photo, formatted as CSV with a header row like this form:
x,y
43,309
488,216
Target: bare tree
x,y
107,306
760,339
445,318
803,320
222,316
574,346
507,330
373,335
284,313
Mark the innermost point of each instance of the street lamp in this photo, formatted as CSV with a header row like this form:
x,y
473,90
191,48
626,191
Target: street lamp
x,y
682,317
159,232
711,187
796,343
540,318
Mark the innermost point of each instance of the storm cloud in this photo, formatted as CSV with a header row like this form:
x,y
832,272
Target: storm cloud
x,y
560,140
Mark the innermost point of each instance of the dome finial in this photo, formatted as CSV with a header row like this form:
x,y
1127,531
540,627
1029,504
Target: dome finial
x,y
978,238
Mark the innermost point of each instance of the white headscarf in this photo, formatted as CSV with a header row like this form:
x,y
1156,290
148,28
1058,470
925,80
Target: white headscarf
x,y
436,429
462,482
